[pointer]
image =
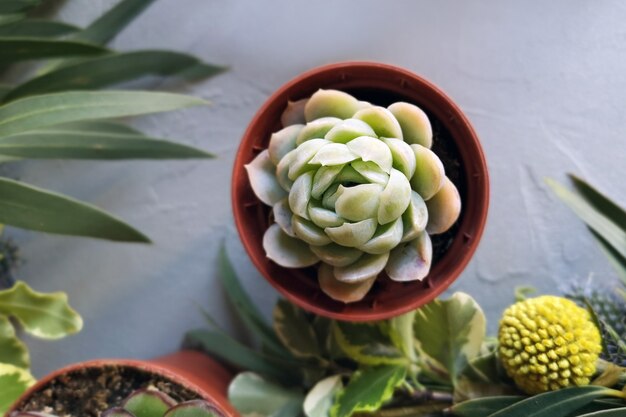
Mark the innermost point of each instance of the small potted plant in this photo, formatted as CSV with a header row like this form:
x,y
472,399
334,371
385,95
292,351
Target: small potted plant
x,y
360,191
186,383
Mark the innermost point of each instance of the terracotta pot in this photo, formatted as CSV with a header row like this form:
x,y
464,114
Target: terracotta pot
x,y
192,370
379,84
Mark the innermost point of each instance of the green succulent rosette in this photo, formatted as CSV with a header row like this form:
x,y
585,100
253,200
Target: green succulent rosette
x,y
356,188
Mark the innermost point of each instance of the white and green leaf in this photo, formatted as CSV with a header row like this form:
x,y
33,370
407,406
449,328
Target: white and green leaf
x,y
14,381
295,331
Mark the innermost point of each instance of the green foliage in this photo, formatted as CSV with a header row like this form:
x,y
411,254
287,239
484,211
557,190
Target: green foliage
x,y
368,390
367,344
14,381
605,219
251,393
295,331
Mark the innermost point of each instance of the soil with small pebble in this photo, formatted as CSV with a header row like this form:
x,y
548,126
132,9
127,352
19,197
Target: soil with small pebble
x,y
90,391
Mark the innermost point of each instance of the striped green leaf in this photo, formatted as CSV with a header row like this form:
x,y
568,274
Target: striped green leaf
x,y
616,412
295,330
451,332
557,403
108,70
33,208
7,19
12,350
55,143
16,49
368,390
37,28
52,109
4,89
367,344
47,316
482,407
14,381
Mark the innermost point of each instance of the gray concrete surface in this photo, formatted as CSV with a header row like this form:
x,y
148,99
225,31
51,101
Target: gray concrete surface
x,y
544,84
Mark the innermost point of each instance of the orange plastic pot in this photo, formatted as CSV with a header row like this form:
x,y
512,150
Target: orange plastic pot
x,y
379,84
195,371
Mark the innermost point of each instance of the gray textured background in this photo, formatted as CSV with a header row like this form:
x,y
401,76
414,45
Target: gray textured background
x,y
544,84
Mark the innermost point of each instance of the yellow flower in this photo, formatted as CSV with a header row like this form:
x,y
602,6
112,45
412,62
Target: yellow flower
x,y
548,343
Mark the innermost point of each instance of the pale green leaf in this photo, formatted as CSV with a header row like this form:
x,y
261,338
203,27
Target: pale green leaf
x,y
37,28
52,109
293,408
55,143
295,331
610,228
108,70
368,390
451,332
482,407
557,403
33,208
250,393
7,19
227,349
615,258
14,381
12,350
107,26
11,6
319,400
248,312
365,343
47,316
401,333
4,89
16,49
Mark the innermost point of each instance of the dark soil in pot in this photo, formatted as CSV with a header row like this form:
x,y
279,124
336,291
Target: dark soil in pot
x,y
89,391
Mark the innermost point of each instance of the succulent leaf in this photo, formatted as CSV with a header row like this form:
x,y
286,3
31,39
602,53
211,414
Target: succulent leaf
x,y
415,125
283,142
402,155
282,171
444,208
412,260
282,216
324,178
352,234
366,267
415,218
323,217
336,255
372,149
263,180
385,239
331,103
429,173
304,153
395,198
381,120
300,195
285,250
317,129
148,403
342,291
195,408
294,112
309,232
359,202
117,412
333,154
349,129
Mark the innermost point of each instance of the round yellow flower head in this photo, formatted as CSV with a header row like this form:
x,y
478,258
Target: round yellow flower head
x,y
548,343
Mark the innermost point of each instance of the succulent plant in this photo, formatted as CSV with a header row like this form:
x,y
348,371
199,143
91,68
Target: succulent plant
x,y
148,403
548,343
356,188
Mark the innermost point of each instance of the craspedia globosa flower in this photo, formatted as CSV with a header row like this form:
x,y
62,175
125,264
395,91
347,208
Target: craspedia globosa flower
x,y
548,343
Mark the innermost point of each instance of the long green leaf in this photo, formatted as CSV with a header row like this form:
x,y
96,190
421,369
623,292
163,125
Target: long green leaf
x,y
14,381
614,233
368,390
248,312
616,412
12,350
7,19
68,144
229,350
11,6
46,316
4,89
37,28
104,71
107,26
28,207
51,109
23,49
617,261
481,407
600,202
366,344
557,403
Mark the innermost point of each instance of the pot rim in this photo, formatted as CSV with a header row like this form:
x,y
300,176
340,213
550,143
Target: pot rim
x,y
151,366
480,175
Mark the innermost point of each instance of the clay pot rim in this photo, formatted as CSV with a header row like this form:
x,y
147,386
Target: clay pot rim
x,y
482,203
144,365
